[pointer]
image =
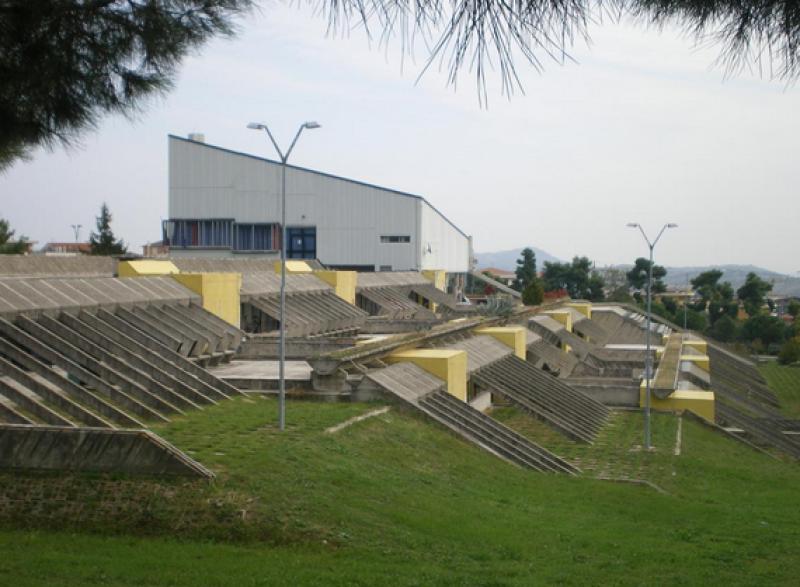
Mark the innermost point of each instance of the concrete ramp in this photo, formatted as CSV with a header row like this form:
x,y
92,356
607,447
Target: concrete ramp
x,y
547,398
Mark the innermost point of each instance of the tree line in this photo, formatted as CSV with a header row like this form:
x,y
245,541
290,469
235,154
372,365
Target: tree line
x,y
101,242
717,310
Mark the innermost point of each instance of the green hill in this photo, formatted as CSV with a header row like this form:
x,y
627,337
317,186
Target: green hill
x,y
393,499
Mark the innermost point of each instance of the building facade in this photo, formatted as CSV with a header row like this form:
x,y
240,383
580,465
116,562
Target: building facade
x,y
224,203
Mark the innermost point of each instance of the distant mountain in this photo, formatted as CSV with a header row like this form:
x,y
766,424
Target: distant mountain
x,y
782,285
508,259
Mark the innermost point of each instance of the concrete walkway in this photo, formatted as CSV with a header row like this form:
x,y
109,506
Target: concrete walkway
x,y
262,370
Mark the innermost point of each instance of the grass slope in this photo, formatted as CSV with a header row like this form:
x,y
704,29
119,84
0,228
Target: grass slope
x,y
785,382
394,499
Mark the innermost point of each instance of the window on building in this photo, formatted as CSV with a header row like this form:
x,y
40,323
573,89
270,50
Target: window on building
x,y
396,239
302,242
256,237
215,233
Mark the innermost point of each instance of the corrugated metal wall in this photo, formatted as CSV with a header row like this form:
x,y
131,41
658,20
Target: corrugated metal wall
x,y
442,245
209,182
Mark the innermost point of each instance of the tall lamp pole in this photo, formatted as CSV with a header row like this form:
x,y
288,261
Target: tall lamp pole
x,y
76,228
281,314
648,360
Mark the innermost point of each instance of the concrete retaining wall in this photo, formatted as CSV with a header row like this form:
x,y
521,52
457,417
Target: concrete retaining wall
x,y
133,452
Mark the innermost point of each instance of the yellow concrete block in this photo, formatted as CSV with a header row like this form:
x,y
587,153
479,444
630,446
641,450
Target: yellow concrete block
x,y
446,364
343,282
437,276
145,268
563,316
701,361
696,401
293,266
219,291
584,308
699,345
439,279
512,336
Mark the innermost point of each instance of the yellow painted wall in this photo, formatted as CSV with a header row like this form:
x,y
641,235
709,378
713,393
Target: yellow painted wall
x,y
146,268
446,364
293,266
343,282
696,401
701,361
439,279
699,345
563,316
512,336
584,308
437,276
219,291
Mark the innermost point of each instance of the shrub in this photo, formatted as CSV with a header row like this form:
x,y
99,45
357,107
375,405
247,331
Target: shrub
x,y
790,352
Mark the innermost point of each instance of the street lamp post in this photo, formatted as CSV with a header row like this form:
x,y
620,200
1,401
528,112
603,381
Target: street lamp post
x,y
648,360
76,228
281,314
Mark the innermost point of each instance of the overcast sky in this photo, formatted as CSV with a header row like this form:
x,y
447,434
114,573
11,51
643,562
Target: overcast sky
x,y
642,128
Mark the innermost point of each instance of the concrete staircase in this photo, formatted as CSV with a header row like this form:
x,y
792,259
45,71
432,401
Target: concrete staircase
x,y
547,398
110,370
489,434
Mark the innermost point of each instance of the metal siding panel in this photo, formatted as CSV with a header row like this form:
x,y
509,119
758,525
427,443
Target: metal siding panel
x,y
206,182
449,248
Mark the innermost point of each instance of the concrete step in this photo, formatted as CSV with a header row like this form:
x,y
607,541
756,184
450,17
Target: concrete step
x,y
27,400
499,438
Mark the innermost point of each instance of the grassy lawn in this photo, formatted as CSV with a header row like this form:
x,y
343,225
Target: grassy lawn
x,y
785,382
393,499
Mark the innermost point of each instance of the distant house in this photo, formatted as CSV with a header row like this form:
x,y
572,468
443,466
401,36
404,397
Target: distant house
x,y
67,249
501,275
155,249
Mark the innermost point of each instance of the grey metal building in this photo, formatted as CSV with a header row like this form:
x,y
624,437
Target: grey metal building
x,y
223,203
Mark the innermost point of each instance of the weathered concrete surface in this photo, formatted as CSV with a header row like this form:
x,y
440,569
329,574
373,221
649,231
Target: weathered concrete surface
x,y
134,452
57,266
33,295
295,370
256,347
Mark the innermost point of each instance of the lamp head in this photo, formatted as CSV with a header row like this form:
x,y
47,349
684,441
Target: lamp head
x,y
311,125
672,225
256,125
632,225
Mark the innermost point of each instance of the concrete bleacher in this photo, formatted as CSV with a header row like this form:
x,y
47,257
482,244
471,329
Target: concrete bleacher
x,y
84,353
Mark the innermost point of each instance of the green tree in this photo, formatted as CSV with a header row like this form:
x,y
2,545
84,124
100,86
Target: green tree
x,y
794,308
533,294
597,287
715,297
526,269
7,246
576,277
790,352
724,329
768,329
695,320
65,63
752,293
637,276
103,242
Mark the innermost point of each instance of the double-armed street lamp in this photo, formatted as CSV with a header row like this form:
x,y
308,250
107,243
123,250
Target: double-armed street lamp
x,y
281,314
648,364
